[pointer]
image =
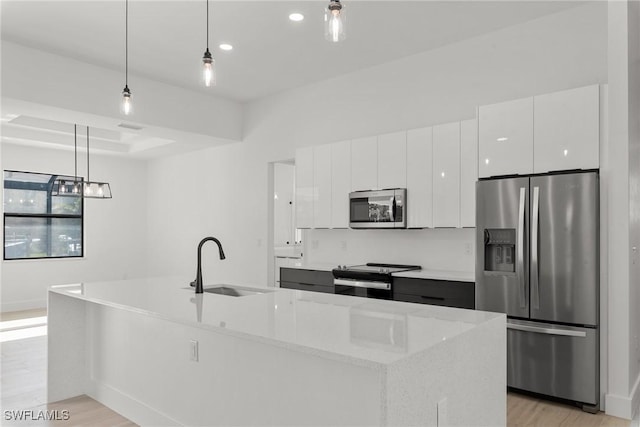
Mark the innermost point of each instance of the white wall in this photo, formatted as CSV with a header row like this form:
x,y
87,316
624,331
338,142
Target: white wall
x,y
564,50
623,177
88,89
432,249
115,229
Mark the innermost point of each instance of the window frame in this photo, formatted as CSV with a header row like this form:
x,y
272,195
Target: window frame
x,y
49,216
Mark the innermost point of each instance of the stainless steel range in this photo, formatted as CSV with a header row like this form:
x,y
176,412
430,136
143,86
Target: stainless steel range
x,y
370,280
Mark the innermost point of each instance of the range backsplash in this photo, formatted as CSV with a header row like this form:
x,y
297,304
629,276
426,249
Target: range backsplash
x,y
435,249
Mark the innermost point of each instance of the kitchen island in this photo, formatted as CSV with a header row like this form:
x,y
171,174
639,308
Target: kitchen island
x,y
157,353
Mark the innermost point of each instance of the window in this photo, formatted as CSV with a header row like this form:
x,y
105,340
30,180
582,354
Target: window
x,y
38,224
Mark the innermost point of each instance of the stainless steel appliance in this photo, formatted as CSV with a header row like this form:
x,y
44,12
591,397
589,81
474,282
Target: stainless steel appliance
x,y
537,261
370,280
378,209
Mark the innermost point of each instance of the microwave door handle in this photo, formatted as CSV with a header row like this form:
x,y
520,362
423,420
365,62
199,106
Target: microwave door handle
x,y
393,208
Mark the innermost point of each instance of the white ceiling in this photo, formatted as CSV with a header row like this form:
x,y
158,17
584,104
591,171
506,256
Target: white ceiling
x,y
271,53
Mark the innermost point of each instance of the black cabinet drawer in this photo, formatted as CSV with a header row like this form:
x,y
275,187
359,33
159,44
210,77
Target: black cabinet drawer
x,y
309,277
435,292
306,287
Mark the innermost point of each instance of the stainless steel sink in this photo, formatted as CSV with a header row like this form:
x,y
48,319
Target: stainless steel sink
x,y
234,292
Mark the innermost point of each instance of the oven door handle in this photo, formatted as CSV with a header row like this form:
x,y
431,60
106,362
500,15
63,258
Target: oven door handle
x,y
362,284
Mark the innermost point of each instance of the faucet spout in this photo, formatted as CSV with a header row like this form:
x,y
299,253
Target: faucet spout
x,y
198,282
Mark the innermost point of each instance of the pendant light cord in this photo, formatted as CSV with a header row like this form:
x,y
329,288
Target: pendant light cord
x,y
75,151
88,176
207,24
126,44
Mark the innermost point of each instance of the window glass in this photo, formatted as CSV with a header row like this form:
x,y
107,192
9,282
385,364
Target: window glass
x,y
37,223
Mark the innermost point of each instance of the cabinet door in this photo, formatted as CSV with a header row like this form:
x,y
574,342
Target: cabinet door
x,y
419,178
468,171
304,187
340,183
446,175
322,186
567,130
505,135
392,160
364,164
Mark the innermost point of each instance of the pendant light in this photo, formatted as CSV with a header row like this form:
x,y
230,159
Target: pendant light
x,y
95,189
126,93
64,187
208,63
334,21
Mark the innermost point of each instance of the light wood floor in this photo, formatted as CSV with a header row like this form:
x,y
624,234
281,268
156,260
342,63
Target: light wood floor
x,y
23,366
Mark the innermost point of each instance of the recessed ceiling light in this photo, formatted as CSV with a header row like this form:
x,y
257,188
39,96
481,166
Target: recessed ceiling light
x,y
226,46
296,17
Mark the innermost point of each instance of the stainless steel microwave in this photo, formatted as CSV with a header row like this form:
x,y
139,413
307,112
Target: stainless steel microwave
x,y
378,209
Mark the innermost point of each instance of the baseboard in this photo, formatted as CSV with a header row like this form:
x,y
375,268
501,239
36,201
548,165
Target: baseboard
x,y
635,399
128,407
624,406
31,304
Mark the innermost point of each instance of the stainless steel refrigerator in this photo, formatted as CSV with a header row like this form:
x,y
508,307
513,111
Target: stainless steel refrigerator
x,y
538,261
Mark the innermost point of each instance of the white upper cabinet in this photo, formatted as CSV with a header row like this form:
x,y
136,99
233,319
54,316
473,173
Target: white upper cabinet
x,y
322,186
566,129
446,175
340,183
468,171
419,178
304,187
364,164
392,160
505,136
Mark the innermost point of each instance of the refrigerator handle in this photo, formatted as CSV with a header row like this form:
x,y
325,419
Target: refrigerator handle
x,y
520,250
547,331
535,284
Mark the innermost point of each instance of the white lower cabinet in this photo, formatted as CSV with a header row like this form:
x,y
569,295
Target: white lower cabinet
x,y
446,175
322,186
340,183
304,187
419,178
468,171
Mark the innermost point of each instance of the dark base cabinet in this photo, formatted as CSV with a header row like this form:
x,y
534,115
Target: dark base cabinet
x,y
306,280
435,292
422,291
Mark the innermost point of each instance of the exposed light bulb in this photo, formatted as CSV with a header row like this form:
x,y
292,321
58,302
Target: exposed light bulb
x,y
62,187
101,190
208,70
87,190
334,20
126,101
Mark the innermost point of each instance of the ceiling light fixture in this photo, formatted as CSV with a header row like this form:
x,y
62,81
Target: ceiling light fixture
x,y
64,187
126,93
94,189
296,17
334,21
208,71
226,46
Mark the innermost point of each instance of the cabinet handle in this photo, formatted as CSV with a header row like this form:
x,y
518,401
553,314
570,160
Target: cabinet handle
x,y
434,298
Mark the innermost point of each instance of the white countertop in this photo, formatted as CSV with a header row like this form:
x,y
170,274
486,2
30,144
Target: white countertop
x,y
356,329
457,276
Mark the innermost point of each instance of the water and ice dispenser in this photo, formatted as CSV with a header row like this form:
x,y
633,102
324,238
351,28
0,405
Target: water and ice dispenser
x,y
500,250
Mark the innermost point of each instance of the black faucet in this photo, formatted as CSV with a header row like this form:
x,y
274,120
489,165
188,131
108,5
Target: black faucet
x,y
198,282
